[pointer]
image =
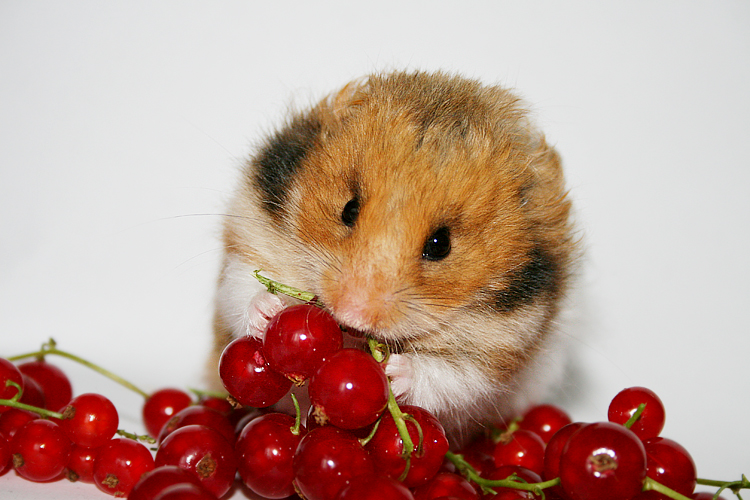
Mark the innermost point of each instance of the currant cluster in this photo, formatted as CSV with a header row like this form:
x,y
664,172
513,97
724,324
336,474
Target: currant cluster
x,y
357,442
619,459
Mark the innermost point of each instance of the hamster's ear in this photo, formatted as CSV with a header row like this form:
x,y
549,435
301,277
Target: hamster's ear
x,y
342,103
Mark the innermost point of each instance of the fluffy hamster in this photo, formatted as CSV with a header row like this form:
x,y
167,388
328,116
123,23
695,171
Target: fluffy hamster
x,y
424,210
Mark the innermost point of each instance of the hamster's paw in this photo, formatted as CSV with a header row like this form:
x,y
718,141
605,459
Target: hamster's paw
x,y
400,371
263,306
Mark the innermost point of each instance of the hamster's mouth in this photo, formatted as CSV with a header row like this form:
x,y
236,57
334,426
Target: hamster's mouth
x,y
355,337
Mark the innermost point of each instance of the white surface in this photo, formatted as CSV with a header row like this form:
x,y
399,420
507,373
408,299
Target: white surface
x,y
122,124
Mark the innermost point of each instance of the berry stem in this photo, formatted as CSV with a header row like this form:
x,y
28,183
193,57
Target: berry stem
x,y
51,348
297,416
735,486
636,415
650,484
15,403
487,484
135,437
276,287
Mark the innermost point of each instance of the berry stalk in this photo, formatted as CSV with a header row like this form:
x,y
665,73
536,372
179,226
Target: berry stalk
x,y
734,486
15,403
276,287
51,348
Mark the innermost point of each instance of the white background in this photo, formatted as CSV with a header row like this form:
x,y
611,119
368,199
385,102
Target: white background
x,y
122,125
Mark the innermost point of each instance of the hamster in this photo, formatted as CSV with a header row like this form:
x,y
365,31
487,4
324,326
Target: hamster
x,y
426,211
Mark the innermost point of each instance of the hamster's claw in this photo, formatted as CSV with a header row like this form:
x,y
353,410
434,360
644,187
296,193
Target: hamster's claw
x,y
263,306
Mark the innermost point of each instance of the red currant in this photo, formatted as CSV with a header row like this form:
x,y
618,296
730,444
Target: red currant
x,y
375,488
155,481
670,464
705,496
544,420
8,372
80,466
32,393
14,419
603,460
119,464
247,377
265,451
386,447
350,390
199,415
299,339
40,450
203,452
161,406
521,447
446,484
90,420
625,404
184,491
52,380
554,450
327,460
5,454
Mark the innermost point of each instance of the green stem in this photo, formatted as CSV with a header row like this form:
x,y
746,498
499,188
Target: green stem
x,y
297,416
635,416
650,484
51,348
276,287
734,486
135,437
24,406
471,474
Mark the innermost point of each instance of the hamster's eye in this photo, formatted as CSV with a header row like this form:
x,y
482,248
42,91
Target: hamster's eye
x,y
438,245
350,212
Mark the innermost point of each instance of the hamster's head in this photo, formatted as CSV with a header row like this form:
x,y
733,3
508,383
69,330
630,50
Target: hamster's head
x,y
406,201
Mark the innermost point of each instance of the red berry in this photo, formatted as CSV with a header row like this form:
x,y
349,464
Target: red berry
x,y
544,420
350,390
8,372
247,377
670,464
479,454
80,466
184,491
90,420
299,339
119,464
52,380
5,462
386,447
157,480
554,450
603,460
40,450
705,496
327,460
625,404
161,406
32,393
265,451
219,404
446,484
204,453
199,415
523,448
14,419
375,488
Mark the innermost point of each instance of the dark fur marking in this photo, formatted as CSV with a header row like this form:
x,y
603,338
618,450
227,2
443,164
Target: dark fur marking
x,y
539,276
279,161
